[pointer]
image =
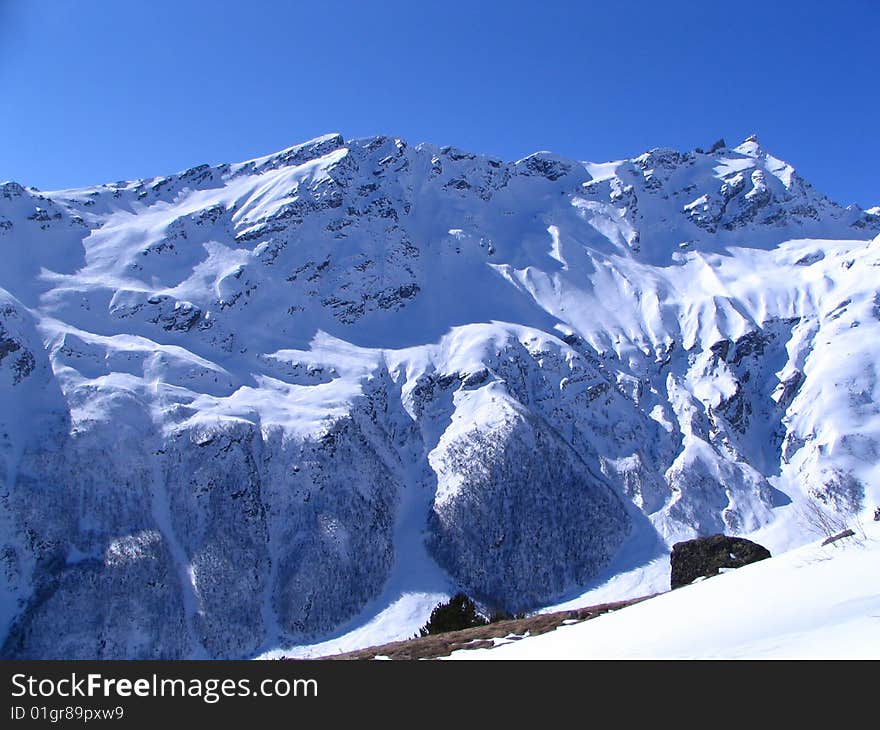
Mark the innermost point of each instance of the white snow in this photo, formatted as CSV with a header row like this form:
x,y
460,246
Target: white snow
x,y
399,621
811,603
600,171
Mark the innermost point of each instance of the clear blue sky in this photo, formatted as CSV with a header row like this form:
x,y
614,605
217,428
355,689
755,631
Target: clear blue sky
x,y
96,90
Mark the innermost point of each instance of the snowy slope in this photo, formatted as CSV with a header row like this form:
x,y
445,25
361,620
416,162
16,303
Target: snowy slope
x,y
811,603
265,404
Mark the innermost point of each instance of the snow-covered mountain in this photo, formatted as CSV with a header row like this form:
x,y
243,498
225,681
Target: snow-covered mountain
x,y
253,405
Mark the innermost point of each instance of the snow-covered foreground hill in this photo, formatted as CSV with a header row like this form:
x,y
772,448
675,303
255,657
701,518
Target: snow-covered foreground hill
x,y
811,603
261,405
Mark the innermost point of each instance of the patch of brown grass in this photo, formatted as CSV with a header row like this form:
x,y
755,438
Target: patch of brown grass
x,y
481,637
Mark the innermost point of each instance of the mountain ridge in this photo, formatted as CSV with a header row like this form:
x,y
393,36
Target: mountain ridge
x,y
335,140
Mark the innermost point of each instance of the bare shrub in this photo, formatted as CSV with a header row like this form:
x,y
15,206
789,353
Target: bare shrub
x,y
820,519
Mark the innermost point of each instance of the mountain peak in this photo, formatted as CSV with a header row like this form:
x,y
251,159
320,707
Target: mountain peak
x,y
750,146
295,155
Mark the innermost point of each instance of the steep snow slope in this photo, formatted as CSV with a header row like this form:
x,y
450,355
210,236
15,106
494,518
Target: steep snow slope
x,y
255,405
811,603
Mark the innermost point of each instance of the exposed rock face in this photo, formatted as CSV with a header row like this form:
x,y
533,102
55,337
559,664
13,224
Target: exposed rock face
x,y
231,537
705,556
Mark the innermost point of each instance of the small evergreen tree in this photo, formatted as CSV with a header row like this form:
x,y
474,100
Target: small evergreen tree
x,y
458,613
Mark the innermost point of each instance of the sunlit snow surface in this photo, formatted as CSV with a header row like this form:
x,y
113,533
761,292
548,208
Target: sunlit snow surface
x,y
810,603
295,401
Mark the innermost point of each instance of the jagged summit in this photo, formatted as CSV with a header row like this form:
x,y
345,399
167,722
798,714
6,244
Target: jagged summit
x,y
251,404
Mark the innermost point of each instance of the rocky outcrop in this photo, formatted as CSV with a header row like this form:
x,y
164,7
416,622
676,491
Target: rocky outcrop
x,y
706,556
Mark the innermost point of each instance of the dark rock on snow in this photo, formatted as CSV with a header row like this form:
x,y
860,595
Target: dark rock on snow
x,y
705,556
